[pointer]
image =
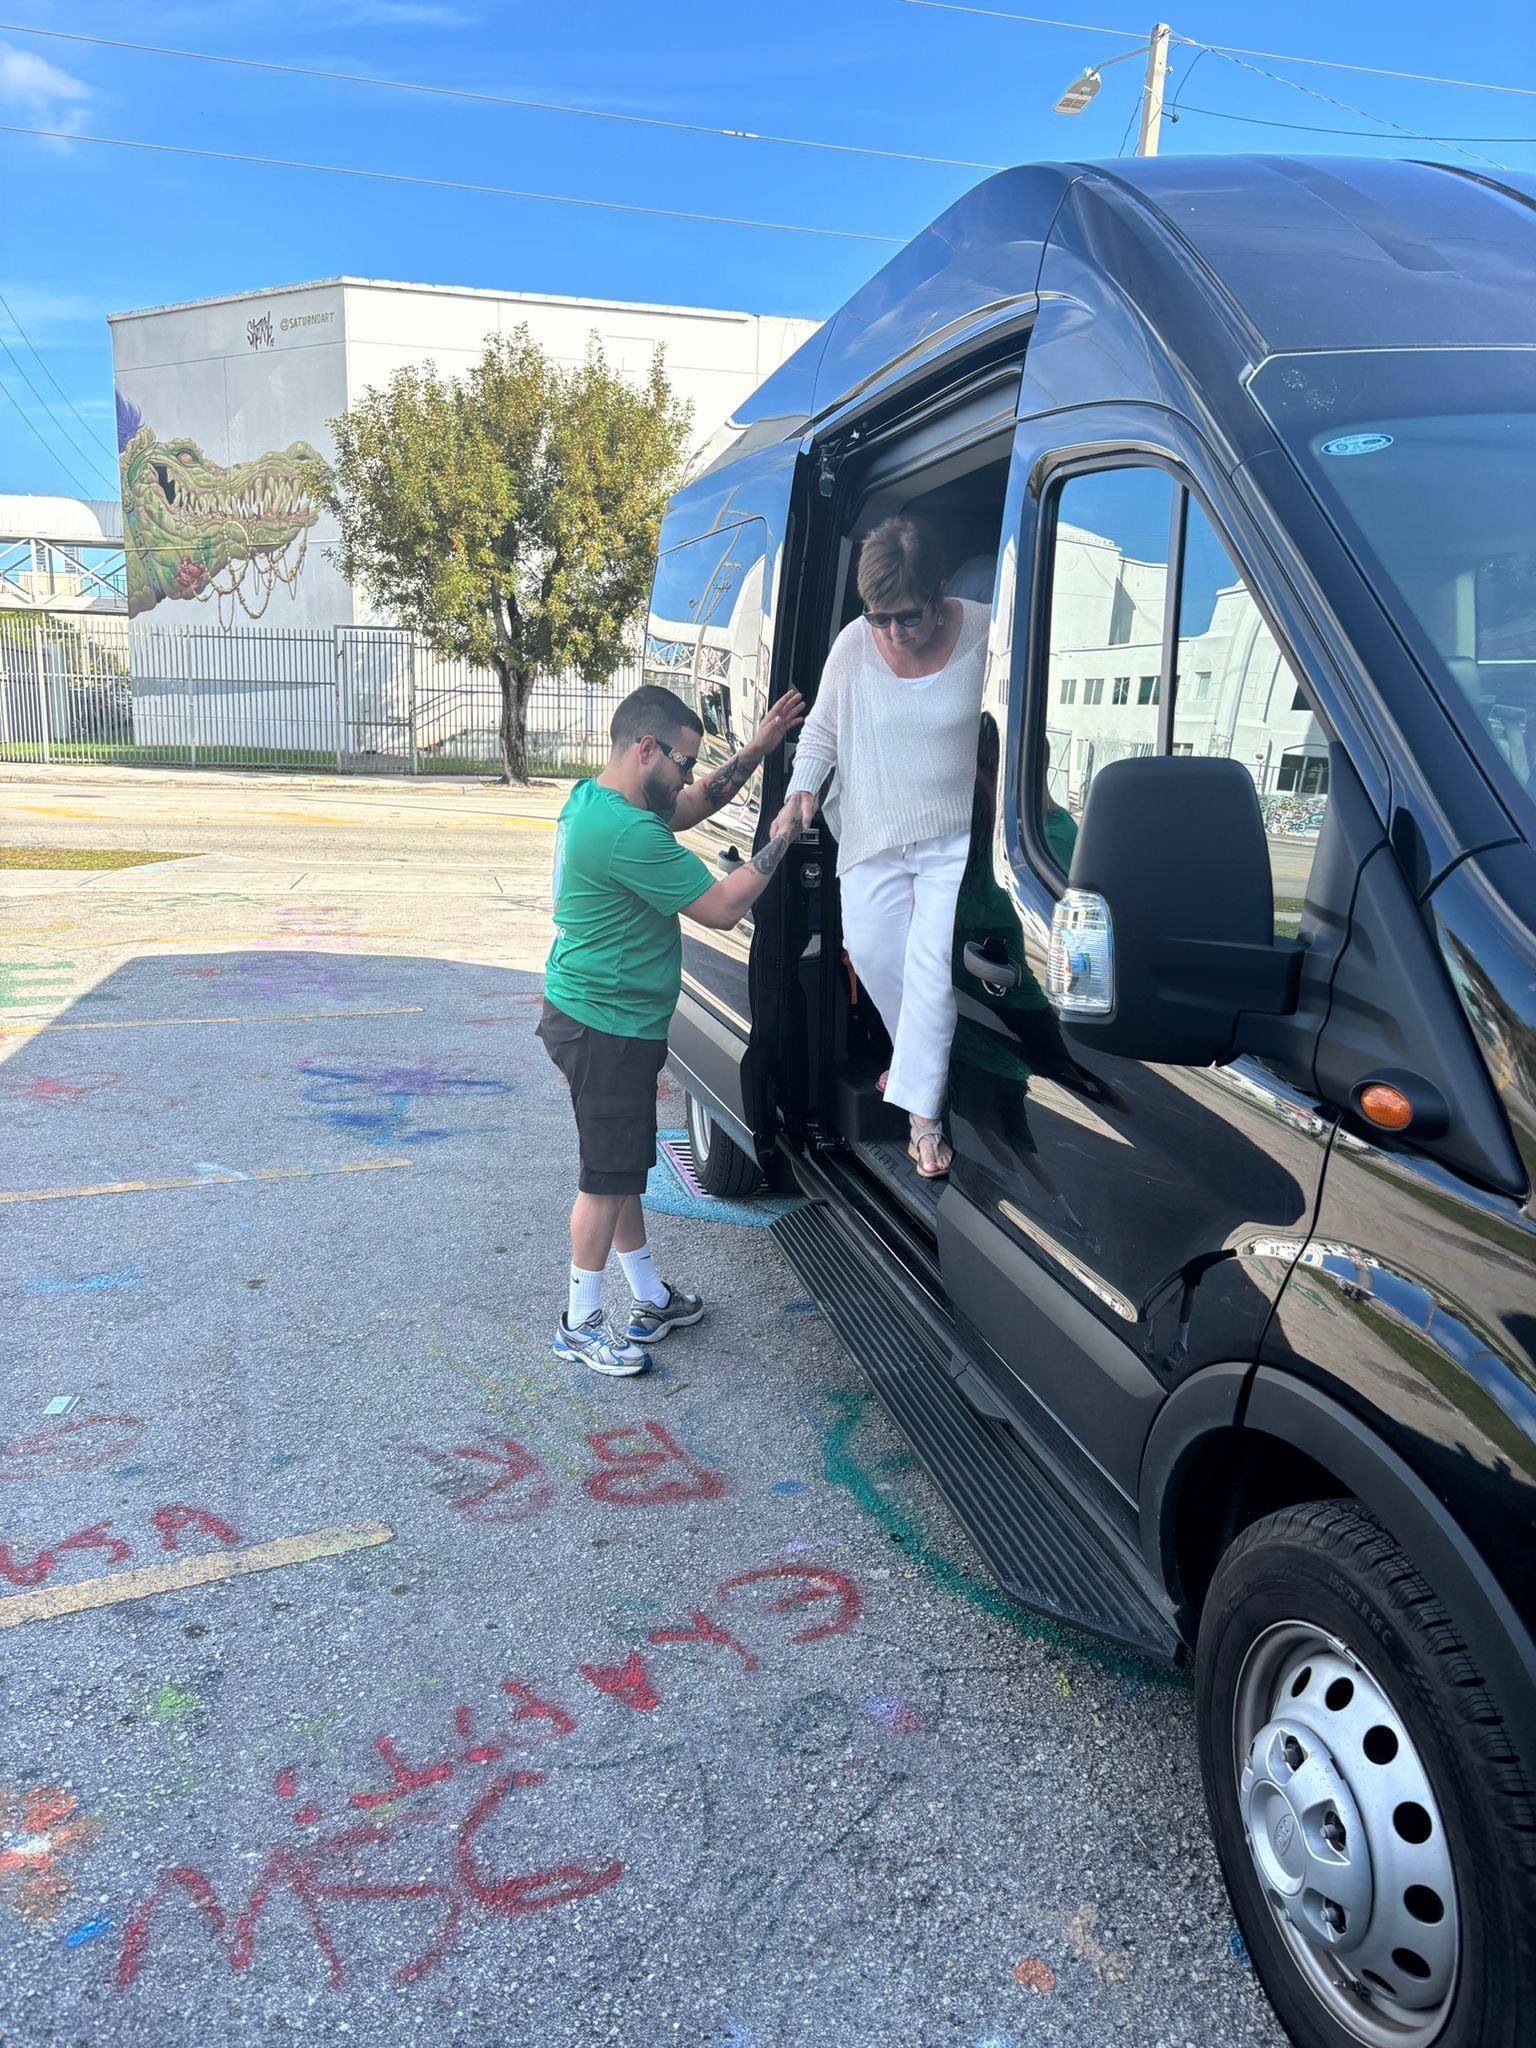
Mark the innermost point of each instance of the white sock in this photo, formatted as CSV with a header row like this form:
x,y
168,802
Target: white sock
x,y
586,1296
645,1283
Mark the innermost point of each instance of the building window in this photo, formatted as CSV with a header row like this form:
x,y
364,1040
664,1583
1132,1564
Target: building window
x,y
1122,690
1304,774
1299,701
1069,689
1093,690
1147,690
1202,685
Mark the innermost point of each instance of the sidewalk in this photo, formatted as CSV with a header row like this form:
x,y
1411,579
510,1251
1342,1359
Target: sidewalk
x,y
547,792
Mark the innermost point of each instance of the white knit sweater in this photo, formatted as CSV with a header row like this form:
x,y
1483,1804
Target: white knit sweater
x,y
904,750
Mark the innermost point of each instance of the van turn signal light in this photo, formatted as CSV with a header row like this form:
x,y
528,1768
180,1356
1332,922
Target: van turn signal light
x,y
1386,1107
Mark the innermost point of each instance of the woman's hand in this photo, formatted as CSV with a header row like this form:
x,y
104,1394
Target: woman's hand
x,y
796,815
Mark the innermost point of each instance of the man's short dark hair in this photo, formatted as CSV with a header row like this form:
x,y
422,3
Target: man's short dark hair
x,y
651,712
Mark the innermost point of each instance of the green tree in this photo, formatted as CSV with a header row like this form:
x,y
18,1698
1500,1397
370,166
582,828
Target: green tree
x,y
509,516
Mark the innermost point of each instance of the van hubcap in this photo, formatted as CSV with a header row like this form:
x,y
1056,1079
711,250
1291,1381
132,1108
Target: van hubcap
x,y
700,1131
1346,1837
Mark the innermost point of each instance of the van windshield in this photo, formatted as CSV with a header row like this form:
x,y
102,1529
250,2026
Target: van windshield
x,y
1425,460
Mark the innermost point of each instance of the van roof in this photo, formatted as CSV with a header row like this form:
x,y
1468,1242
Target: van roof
x,y
1302,252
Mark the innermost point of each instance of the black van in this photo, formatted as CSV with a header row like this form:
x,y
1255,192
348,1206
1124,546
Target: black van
x,y
1221,1336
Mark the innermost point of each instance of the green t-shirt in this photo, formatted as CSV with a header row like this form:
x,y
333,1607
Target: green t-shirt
x,y
620,880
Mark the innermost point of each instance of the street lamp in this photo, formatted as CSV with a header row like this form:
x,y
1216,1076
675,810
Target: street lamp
x,y
1084,87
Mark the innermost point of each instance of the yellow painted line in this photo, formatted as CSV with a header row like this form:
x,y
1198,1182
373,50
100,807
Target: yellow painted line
x,y
201,1180
53,811
49,1601
166,1023
202,938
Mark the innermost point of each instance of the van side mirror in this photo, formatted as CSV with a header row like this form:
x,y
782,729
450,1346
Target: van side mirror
x,y
1166,933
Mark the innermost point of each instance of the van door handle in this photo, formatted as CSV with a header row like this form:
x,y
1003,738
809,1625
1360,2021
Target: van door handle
x,y
996,974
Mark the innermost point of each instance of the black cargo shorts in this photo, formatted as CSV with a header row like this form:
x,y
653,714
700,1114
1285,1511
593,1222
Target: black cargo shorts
x,y
613,1092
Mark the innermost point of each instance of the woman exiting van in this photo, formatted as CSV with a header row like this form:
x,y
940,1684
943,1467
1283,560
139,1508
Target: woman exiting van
x,y
896,716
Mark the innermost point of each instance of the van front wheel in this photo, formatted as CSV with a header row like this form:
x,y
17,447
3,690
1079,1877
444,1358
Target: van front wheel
x,y
719,1165
1373,1823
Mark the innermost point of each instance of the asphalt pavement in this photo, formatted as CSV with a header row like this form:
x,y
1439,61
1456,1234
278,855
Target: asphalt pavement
x,y
367,1674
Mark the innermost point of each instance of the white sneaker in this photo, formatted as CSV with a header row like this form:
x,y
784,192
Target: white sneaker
x,y
594,1343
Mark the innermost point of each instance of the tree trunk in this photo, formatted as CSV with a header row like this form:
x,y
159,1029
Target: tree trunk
x,y
514,726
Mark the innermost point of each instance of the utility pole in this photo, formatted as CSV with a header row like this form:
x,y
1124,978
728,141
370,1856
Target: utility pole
x,y
1152,91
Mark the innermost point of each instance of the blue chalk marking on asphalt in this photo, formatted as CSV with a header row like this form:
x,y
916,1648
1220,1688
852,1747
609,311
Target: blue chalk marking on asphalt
x,y
789,1486
1239,1948
665,1193
88,1930
800,1308
93,1283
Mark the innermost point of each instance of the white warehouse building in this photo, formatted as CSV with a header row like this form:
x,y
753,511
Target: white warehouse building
x,y
223,403
219,401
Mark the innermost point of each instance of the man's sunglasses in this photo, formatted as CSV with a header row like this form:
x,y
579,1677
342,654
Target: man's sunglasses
x,y
907,621
683,761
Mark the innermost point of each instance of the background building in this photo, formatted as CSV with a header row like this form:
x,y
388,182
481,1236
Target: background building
x,y
246,642
221,402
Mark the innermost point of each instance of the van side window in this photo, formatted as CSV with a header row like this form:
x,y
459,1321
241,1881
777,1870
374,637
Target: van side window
x,y
1238,696
1108,598
703,637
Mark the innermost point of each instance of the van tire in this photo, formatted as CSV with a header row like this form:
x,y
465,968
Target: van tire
x,y
719,1165
1387,1652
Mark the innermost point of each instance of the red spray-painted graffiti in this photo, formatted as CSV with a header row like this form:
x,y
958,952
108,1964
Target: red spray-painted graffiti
x,y
323,1871
639,1466
172,1523
79,1445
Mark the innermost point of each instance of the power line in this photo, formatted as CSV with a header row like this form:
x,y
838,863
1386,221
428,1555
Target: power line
x,y
1363,113
95,432
53,453
1229,49
282,163
1375,70
1086,28
1307,128
20,368
491,99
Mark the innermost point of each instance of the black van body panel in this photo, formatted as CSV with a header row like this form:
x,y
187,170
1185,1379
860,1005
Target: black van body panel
x,y
1484,916
1305,1418
1413,1306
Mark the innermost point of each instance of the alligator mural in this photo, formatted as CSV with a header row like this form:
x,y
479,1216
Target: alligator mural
x,y
193,528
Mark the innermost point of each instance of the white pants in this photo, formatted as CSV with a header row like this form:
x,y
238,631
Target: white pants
x,y
899,929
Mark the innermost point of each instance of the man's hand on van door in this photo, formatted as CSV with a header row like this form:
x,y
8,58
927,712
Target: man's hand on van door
x,y
781,720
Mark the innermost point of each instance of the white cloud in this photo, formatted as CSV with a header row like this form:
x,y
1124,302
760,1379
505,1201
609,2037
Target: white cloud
x,y
40,89
43,95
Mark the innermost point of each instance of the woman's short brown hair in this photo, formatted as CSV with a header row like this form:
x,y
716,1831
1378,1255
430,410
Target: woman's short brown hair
x,y
900,558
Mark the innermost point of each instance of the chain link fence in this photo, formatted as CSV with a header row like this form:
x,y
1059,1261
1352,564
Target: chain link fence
x,y
350,699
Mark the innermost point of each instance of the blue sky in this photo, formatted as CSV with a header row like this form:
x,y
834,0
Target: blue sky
x,y
89,230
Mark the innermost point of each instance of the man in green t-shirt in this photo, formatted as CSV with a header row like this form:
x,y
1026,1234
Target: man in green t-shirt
x,y
612,981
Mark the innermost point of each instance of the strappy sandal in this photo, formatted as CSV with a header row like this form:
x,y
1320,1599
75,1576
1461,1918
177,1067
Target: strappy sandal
x,y
934,1162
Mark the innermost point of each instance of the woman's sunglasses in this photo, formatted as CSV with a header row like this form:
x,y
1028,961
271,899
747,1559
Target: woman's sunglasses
x,y
907,621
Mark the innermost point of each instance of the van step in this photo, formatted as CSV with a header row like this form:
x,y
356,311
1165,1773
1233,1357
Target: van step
x,y
1038,1547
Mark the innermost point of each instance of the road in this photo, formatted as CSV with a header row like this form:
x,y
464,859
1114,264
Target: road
x,y
436,1691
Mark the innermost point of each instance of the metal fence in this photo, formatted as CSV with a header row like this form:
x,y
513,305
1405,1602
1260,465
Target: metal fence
x,y
350,699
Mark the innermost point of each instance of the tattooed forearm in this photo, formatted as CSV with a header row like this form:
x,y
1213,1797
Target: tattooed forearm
x,y
726,780
769,856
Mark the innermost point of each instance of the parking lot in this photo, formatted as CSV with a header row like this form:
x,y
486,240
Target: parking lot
x,y
369,1674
